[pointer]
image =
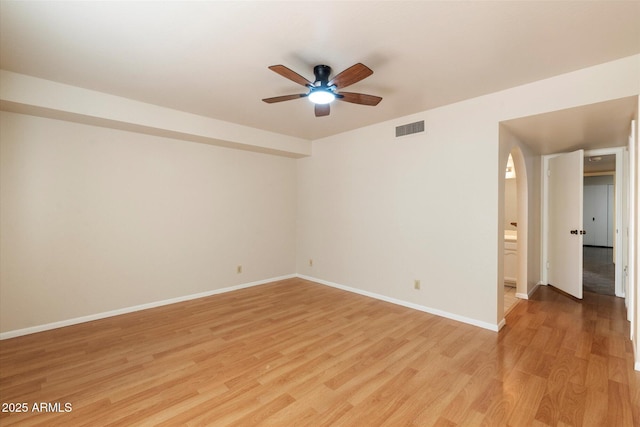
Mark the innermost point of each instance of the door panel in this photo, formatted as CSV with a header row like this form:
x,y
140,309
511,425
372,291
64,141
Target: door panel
x,y
565,185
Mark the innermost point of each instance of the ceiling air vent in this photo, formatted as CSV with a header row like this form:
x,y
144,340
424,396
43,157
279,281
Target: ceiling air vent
x,y
409,129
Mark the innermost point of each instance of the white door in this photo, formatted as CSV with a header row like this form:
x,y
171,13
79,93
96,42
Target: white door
x,y
565,178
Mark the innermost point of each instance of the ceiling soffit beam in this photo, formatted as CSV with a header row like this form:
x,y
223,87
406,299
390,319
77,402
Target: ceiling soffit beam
x,y
29,95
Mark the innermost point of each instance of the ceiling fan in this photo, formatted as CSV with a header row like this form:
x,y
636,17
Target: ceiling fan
x,y
323,91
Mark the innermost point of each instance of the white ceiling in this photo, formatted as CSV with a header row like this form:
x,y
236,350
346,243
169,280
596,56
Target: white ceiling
x,y
211,58
594,126
600,164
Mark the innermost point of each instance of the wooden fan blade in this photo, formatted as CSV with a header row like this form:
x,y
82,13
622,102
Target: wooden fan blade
x,y
351,75
284,98
322,110
290,74
359,98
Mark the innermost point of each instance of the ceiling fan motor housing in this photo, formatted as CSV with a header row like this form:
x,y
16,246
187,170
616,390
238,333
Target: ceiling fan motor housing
x,y
322,73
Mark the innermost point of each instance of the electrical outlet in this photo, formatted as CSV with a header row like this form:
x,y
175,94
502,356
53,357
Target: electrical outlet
x,y
310,262
416,284
239,269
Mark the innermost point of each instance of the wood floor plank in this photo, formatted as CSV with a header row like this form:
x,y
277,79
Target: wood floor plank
x,y
294,352
525,409
430,400
619,405
464,399
598,373
504,399
573,404
596,408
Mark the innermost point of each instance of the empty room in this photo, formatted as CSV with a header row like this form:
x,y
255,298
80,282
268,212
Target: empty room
x,y
305,213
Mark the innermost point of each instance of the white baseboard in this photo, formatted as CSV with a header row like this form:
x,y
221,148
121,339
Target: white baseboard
x,y
530,293
452,316
91,317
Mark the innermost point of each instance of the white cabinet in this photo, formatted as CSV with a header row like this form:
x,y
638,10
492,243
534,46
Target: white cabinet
x,y
510,261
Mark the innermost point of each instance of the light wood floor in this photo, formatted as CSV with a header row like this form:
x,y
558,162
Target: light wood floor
x,y
510,298
295,353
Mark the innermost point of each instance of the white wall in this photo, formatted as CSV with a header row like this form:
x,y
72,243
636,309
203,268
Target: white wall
x,y
376,212
634,277
95,219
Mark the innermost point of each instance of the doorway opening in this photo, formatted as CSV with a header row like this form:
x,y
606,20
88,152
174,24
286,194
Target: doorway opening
x,y
599,223
604,201
570,274
515,228
510,235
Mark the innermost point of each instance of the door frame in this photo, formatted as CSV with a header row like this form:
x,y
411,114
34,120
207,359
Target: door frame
x,y
619,195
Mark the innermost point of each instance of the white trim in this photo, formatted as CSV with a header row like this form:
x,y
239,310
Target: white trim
x,y
633,253
535,288
636,365
632,242
531,292
618,224
510,280
452,316
544,215
103,315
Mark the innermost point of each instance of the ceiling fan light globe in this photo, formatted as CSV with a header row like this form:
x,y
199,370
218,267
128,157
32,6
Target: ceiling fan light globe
x,y
321,97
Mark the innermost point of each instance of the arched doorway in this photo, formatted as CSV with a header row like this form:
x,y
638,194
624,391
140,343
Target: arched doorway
x,y
516,231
